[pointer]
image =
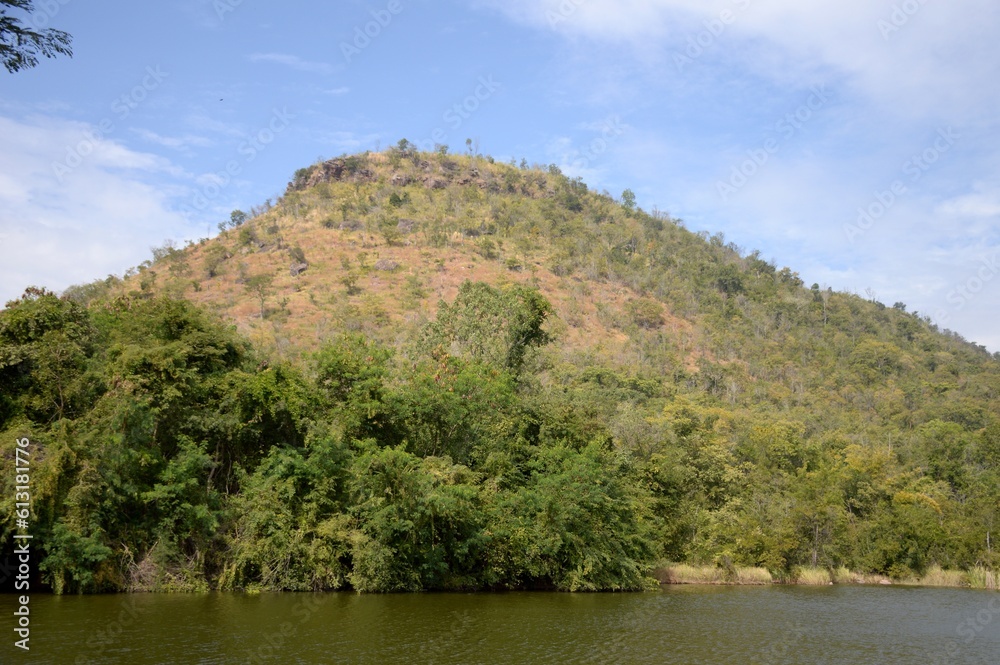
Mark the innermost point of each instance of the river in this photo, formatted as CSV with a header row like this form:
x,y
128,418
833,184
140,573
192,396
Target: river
x,y
678,625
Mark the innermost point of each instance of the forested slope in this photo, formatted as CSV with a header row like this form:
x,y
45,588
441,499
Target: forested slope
x,y
430,371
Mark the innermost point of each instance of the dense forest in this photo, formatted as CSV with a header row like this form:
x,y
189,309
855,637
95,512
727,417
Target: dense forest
x,y
419,371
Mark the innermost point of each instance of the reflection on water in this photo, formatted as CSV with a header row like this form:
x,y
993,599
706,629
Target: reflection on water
x,y
704,625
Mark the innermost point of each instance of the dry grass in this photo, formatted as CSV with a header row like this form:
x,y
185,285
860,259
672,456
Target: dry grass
x,y
874,578
303,311
844,576
813,577
936,576
977,578
752,576
982,578
682,573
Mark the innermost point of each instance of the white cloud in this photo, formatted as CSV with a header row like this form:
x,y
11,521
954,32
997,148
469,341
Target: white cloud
x,y
895,80
48,224
937,62
601,150
568,156
982,203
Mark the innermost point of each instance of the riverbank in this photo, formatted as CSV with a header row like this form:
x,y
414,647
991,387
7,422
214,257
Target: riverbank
x,y
977,578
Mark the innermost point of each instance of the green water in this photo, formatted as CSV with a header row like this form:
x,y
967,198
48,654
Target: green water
x,y
703,625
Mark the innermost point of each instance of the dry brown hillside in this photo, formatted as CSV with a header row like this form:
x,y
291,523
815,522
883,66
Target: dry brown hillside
x,y
385,238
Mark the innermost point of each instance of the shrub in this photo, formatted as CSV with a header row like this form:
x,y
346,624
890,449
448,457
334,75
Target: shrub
x,y
487,249
645,313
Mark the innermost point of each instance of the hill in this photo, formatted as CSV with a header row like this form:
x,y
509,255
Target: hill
x,y
420,371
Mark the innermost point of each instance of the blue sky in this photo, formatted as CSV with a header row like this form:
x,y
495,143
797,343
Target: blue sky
x,y
855,141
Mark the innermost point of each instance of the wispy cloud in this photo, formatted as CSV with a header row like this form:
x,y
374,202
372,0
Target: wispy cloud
x,y
47,227
897,76
982,203
293,62
924,63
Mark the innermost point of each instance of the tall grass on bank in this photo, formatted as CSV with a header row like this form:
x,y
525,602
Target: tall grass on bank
x,y
976,578
752,576
844,576
936,576
682,573
982,578
813,576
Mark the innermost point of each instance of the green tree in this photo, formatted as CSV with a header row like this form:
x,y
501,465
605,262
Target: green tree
x,y
291,527
580,524
20,46
76,562
421,523
466,411
298,254
645,313
628,200
259,410
350,373
904,537
44,345
491,325
405,148
260,287
873,359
